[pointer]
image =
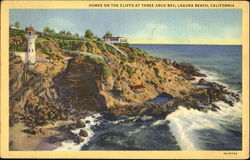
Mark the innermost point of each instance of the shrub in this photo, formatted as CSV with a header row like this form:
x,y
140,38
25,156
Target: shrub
x,y
131,70
130,58
107,71
97,60
89,47
156,70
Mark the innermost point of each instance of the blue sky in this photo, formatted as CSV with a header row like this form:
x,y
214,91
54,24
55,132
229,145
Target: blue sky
x,y
174,26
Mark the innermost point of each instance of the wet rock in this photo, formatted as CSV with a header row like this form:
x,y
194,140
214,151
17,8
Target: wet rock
x,y
189,69
78,139
109,116
202,81
215,108
80,124
87,121
83,133
71,127
71,135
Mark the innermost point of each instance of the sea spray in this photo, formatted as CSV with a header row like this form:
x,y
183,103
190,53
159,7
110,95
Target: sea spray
x,y
90,121
195,130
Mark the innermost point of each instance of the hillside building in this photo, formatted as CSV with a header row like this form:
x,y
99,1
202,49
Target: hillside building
x,y
115,39
30,56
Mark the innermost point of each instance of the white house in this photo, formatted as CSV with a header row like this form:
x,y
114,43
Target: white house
x,y
115,39
31,36
13,26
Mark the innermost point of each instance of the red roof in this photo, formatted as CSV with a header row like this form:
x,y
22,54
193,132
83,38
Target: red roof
x,y
30,29
138,87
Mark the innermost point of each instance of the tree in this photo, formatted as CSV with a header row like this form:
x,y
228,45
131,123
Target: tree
x,y
48,30
89,34
76,35
108,35
62,32
69,33
17,24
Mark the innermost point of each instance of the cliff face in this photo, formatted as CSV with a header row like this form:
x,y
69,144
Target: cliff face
x,y
80,84
73,84
33,98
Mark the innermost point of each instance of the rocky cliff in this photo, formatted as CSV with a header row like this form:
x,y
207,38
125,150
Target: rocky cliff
x,y
119,79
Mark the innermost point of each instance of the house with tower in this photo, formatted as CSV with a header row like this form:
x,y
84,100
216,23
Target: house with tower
x,y
30,56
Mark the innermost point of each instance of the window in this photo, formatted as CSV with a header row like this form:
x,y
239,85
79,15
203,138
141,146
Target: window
x,y
29,33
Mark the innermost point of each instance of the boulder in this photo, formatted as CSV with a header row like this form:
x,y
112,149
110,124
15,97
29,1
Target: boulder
x,y
80,124
189,69
215,107
78,139
87,121
83,133
71,135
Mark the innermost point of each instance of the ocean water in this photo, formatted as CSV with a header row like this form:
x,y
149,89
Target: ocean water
x,y
183,129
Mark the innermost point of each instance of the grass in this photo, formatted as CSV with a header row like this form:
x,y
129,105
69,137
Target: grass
x,y
40,40
89,47
15,32
97,60
139,51
70,44
107,71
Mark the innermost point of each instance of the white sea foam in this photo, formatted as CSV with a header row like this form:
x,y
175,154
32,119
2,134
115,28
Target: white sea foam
x,y
215,77
69,145
184,123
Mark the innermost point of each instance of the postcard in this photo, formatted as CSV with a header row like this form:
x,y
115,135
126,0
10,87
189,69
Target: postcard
x,y
125,79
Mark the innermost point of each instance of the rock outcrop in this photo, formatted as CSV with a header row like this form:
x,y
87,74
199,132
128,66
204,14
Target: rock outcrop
x,y
73,84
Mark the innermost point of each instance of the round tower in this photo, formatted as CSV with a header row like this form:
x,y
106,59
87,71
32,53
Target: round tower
x,y
31,52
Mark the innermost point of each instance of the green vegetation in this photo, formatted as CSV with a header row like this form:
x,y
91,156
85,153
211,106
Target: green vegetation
x,y
77,35
97,60
40,40
62,32
17,40
89,47
14,32
17,24
157,70
130,58
48,30
69,33
107,71
46,50
89,34
122,44
139,51
108,35
70,44
100,45
131,70
110,49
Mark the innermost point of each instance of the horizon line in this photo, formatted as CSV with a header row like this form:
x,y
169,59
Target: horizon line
x,y
187,44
